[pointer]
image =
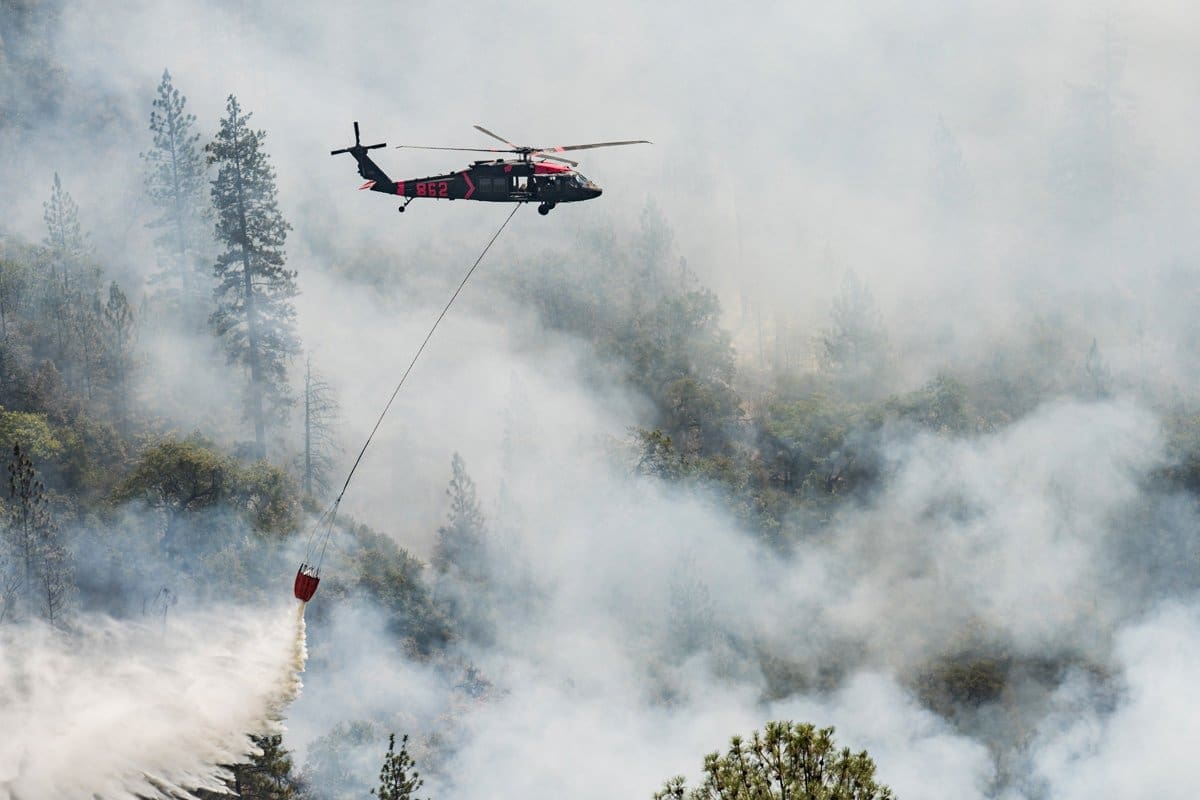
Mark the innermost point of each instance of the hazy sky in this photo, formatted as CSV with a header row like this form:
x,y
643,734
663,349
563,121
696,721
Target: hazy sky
x,y
785,134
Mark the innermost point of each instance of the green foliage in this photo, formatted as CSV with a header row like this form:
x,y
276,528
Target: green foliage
x,y
788,761
254,318
31,431
941,406
185,476
657,455
181,474
268,496
93,456
391,577
812,447
679,356
398,778
966,682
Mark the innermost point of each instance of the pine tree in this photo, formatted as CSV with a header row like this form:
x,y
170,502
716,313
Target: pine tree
x,y
64,238
460,542
175,182
85,318
42,564
119,329
788,761
854,348
463,589
60,281
14,286
398,778
69,313
320,445
267,776
254,315
14,299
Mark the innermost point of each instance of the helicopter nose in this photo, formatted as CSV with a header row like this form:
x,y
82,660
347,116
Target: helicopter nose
x,y
596,191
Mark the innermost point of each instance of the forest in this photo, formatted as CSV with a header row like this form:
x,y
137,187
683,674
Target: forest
x,y
663,513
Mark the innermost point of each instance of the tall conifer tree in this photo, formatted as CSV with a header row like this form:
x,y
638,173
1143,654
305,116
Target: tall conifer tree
x,y
69,285
175,182
254,317
398,777
64,239
119,324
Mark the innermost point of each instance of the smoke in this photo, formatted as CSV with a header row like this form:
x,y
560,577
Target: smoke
x,y
1010,182
635,626
1133,741
122,710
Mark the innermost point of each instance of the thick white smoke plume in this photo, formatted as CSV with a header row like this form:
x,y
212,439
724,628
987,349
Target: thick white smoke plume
x,y
646,617
1141,743
121,710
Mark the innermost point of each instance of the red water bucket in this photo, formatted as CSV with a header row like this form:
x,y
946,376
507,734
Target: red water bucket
x,y
306,583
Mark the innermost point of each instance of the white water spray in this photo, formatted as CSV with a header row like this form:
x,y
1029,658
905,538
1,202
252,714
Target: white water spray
x,y
123,710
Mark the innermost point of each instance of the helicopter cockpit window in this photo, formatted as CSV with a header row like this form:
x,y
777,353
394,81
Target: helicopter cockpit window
x,y
580,180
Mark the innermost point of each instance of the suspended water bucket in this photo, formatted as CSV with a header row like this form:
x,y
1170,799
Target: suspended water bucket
x,y
306,582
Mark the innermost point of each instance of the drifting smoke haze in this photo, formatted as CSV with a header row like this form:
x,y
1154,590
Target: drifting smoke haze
x,y
991,171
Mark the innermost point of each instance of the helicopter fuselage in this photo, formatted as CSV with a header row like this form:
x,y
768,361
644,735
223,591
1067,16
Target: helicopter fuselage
x,y
497,181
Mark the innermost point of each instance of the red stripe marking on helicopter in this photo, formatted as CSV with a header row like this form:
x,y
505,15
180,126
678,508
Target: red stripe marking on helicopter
x,y
400,188
470,186
366,185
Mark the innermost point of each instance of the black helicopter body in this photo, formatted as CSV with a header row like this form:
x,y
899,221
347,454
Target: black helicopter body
x,y
532,177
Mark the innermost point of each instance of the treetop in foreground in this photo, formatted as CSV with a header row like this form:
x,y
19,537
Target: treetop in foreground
x,y
788,761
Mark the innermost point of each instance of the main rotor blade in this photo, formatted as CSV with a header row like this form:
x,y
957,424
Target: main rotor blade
x,y
540,154
482,129
562,148
463,149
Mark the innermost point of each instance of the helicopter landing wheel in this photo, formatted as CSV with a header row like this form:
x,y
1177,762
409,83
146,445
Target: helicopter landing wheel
x,y
544,208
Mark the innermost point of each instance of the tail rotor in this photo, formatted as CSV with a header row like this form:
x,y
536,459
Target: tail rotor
x,y
358,148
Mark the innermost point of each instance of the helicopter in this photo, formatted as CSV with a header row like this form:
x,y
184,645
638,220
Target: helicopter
x,y
530,177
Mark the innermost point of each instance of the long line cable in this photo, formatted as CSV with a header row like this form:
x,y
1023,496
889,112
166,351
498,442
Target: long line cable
x,y
331,513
